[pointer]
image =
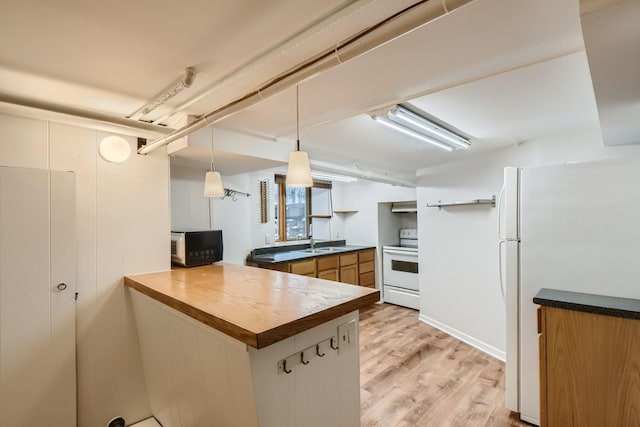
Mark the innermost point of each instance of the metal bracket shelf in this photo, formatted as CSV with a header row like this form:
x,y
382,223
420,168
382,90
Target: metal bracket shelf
x,y
440,204
234,194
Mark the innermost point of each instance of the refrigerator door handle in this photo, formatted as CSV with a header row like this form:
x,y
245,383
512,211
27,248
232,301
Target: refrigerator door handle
x,y
502,291
500,195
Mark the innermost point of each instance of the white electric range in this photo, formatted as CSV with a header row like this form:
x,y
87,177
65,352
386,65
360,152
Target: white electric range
x,y
400,271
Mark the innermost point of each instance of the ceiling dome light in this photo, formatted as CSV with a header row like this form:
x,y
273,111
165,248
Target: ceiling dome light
x,y
114,149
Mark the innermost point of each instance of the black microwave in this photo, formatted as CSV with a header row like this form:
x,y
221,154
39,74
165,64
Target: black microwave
x,y
191,248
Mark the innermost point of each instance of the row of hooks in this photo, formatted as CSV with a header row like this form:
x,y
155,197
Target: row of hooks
x,y
305,356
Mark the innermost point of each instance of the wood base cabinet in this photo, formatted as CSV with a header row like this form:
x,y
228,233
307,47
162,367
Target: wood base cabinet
x,y
354,268
589,369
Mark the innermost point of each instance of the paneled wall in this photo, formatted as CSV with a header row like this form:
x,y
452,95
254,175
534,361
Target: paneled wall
x,y
122,227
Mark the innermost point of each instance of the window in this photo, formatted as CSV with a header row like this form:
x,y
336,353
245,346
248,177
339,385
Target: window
x,y
297,208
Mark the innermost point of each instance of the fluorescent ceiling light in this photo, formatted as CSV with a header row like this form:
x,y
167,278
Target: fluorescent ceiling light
x,y
412,124
333,177
407,131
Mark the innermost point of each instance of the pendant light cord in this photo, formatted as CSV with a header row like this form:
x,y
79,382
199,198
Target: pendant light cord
x,y
297,119
212,165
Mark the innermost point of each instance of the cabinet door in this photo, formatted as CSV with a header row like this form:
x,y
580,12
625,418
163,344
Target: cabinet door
x,y
37,320
368,279
349,274
592,366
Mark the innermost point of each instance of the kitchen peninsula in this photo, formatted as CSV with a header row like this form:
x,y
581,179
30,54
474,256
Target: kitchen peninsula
x,y
234,345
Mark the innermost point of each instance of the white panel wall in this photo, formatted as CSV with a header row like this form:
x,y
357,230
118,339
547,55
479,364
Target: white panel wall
x,y
235,217
459,284
122,214
200,377
190,210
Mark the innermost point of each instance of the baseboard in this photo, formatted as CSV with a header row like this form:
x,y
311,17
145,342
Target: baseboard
x,y
482,346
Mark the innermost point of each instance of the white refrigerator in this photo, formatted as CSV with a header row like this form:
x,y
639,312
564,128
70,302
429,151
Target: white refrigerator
x,y
570,227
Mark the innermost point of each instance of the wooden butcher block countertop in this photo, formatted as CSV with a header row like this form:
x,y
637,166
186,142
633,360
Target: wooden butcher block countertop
x,y
256,306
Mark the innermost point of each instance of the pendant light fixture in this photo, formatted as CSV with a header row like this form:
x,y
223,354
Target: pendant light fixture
x,y
298,170
212,180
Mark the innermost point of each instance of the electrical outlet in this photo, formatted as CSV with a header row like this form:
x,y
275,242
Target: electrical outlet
x,y
347,336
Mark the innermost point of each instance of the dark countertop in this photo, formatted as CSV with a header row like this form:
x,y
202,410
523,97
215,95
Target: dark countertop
x,y
278,254
597,304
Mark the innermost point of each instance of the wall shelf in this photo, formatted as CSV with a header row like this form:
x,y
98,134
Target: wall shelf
x,y
441,204
345,211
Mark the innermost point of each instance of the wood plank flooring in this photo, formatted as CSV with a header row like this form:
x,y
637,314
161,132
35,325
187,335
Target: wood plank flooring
x,y
413,375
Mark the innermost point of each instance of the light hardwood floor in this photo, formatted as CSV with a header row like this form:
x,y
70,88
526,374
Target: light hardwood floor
x,y
413,375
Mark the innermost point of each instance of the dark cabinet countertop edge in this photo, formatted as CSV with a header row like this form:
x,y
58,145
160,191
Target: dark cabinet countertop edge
x,y
598,304
300,255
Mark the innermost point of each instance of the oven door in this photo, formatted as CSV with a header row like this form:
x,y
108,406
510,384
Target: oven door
x,y
400,268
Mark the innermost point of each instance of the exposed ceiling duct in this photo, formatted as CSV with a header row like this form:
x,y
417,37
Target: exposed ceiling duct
x,y
381,33
111,119
166,94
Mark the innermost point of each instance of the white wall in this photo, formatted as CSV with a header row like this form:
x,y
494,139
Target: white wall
x,y
361,228
459,284
238,219
122,213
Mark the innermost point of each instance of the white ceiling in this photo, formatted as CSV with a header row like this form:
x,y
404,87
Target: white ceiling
x,y
503,72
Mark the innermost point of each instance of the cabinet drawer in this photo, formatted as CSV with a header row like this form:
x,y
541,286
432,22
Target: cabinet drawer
x,y
368,279
277,267
348,259
329,275
327,263
303,267
365,256
366,267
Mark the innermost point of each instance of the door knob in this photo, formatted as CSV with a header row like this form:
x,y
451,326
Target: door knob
x,y
61,286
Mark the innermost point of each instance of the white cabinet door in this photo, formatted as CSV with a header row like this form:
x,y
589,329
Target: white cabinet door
x,y
37,320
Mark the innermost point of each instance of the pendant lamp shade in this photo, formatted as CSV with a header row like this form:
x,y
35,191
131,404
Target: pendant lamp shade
x,y
213,185
212,180
298,171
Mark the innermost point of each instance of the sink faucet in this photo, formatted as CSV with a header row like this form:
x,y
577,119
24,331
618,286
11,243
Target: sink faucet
x,y
312,242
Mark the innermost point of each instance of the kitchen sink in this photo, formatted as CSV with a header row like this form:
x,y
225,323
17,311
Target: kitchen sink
x,y
323,250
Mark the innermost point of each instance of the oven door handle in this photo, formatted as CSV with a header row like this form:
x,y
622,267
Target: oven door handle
x,y
407,253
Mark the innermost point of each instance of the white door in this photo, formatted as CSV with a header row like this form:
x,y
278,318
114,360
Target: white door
x,y
37,317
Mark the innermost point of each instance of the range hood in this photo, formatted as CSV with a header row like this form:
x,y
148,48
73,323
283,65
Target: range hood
x,y
411,206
